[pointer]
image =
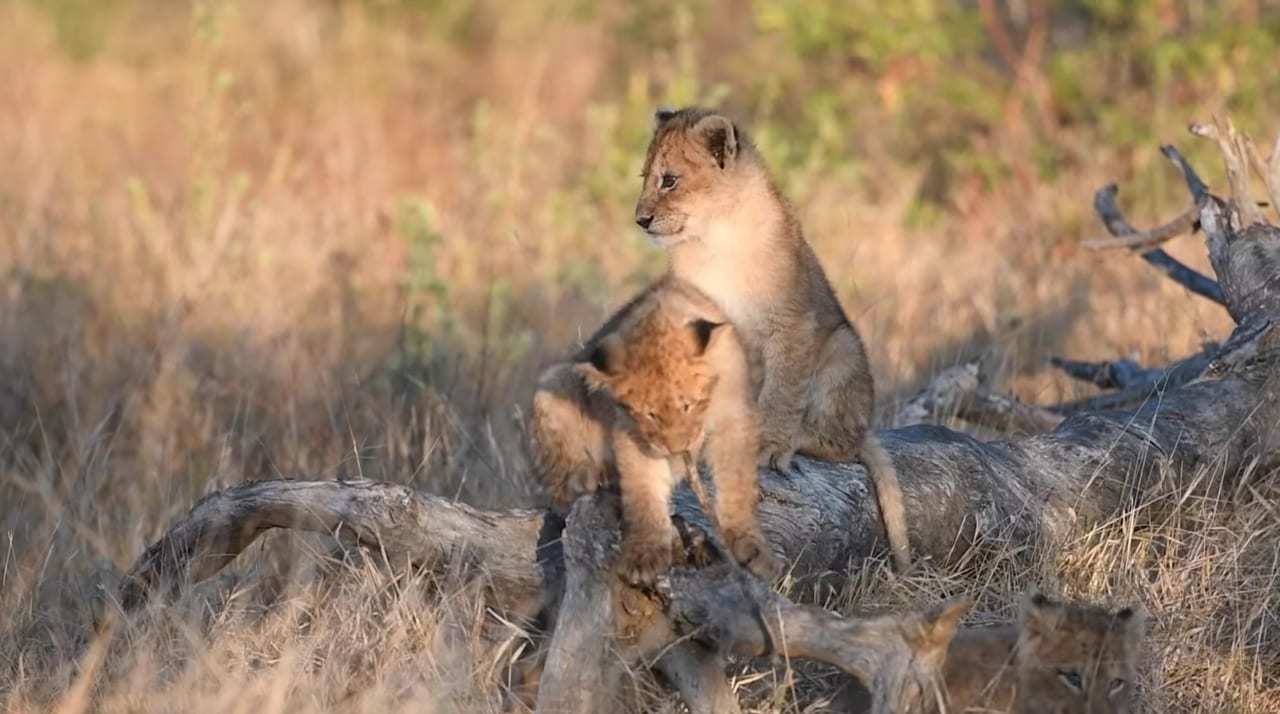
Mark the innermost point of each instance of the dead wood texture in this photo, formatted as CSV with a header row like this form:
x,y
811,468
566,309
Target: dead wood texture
x,y
1084,464
959,391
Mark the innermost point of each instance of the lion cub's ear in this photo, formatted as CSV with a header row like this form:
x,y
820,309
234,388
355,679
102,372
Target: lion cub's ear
x,y
1039,615
706,334
932,631
600,368
661,116
1132,621
720,137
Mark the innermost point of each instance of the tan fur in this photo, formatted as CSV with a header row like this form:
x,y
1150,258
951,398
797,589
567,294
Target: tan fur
x,y
665,377
708,198
928,634
1059,659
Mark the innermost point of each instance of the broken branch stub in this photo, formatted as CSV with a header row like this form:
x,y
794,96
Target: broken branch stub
x,y
1235,154
1243,248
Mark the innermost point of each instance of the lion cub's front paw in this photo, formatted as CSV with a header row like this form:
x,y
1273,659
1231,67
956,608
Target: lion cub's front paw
x,y
777,447
750,549
644,559
587,481
569,487
777,455
697,548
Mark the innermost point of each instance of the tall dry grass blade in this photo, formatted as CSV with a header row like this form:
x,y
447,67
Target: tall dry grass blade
x,y
79,696
1273,176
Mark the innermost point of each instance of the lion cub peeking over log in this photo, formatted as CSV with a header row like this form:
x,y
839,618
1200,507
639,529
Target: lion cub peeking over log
x,y
1059,659
709,199
665,378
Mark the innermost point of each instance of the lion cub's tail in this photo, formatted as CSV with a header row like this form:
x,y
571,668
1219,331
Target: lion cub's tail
x,y
889,496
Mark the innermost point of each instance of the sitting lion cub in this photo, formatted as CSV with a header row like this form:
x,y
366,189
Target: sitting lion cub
x,y
709,199
1059,659
664,379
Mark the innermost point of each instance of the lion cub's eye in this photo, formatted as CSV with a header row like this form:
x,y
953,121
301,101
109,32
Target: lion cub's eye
x,y
669,181
1071,679
1117,686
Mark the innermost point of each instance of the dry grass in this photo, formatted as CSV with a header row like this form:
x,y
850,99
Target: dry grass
x,y
248,240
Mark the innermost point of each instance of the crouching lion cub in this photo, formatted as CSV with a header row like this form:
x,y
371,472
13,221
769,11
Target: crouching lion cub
x,y
665,378
1058,659
708,198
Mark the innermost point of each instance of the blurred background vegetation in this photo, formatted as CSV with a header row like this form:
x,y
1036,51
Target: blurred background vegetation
x,y
251,239
339,238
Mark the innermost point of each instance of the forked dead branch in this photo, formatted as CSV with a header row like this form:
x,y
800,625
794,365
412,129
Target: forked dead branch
x,y
1082,464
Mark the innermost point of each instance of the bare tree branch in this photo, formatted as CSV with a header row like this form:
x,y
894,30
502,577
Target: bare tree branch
x,y
1186,222
1104,202
1138,383
1116,374
1199,190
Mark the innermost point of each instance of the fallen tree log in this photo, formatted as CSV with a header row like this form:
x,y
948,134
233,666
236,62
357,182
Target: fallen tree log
x,y
820,517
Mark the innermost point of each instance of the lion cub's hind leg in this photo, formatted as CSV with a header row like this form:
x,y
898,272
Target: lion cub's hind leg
x,y
837,427
839,402
568,443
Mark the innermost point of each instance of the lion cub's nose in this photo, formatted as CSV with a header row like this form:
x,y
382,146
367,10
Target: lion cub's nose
x,y
644,221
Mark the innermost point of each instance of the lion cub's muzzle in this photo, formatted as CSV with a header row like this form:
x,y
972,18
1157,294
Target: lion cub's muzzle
x,y
661,227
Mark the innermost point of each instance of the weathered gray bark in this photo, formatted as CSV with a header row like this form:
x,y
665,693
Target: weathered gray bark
x,y
958,391
821,517
406,526
697,674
